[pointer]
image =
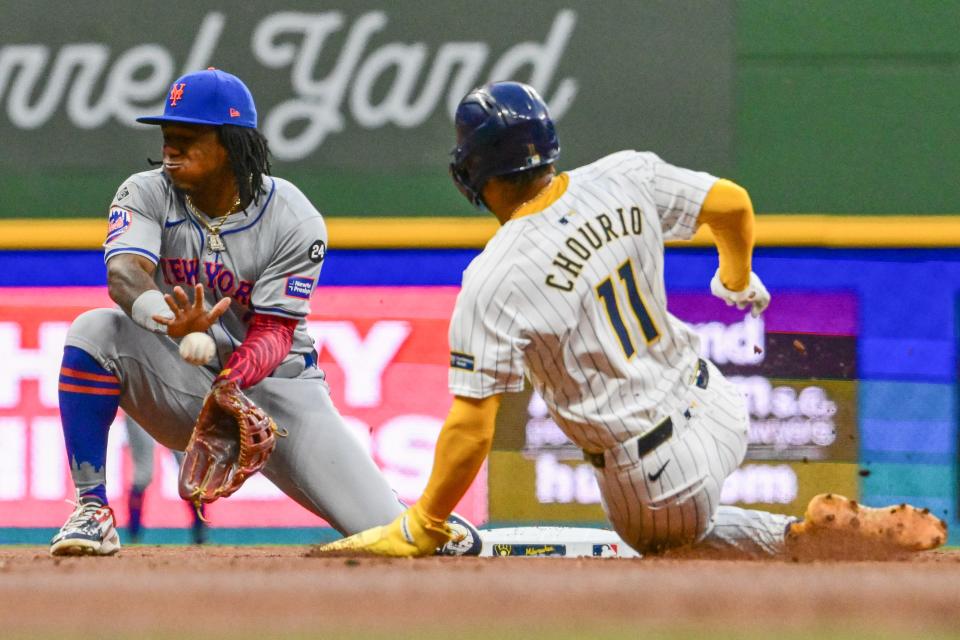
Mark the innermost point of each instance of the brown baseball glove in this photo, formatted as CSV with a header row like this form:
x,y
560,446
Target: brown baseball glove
x,y
232,440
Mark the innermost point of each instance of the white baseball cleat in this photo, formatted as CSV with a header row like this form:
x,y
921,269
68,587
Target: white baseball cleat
x,y
90,530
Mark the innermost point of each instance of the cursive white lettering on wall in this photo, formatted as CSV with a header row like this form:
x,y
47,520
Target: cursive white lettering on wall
x,y
138,76
396,83
319,100
456,67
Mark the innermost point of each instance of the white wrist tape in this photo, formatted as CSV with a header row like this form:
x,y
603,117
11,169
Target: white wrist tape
x,y
148,304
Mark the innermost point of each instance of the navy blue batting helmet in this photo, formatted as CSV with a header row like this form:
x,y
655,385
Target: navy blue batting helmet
x,y
502,127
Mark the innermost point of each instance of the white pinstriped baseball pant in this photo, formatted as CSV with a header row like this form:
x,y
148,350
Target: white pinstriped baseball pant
x,y
681,504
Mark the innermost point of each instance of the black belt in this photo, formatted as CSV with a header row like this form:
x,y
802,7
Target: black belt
x,y
660,433
645,443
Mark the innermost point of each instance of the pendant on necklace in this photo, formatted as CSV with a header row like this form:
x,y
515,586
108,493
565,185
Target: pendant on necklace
x,y
215,243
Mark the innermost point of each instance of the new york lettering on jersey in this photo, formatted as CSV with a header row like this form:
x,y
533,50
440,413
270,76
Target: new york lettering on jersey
x,y
216,276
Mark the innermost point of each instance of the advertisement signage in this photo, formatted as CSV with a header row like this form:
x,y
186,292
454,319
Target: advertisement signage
x,y
384,350
384,353
797,368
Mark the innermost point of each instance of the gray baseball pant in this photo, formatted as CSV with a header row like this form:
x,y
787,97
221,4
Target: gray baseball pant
x,y
320,464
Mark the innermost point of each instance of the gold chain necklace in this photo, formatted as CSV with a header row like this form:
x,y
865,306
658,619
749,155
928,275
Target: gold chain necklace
x,y
214,241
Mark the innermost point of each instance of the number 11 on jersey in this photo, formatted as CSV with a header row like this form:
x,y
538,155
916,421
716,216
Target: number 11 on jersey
x,y
608,295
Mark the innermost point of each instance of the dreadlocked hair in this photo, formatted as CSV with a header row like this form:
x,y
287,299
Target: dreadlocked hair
x,y
249,157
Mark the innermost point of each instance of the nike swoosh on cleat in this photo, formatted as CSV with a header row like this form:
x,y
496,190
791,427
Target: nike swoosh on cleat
x,y
405,529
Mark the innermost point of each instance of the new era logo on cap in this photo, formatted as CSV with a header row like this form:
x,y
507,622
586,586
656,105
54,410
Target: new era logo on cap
x,y
234,113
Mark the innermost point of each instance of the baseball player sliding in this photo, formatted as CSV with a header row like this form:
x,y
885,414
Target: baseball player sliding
x,y
570,291
248,247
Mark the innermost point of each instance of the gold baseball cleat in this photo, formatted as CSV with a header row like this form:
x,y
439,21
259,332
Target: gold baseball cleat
x,y
895,528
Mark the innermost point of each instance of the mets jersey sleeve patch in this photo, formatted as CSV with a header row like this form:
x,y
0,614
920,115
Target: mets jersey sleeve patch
x,y
299,287
118,222
461,361
317,252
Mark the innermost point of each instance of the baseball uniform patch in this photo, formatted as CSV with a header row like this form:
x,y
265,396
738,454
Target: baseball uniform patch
x,y
461,361
118,222
299,287
317,252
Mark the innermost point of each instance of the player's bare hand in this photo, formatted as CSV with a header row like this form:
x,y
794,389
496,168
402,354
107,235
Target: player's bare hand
x,y
190,316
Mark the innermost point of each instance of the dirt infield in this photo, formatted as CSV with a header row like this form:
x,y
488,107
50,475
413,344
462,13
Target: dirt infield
x,y
248,592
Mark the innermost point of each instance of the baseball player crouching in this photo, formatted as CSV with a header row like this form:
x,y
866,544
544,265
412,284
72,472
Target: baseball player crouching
x,y
570,291
248,247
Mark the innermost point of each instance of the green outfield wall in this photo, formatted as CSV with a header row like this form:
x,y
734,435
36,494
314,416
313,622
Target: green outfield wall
x,y
817,106
849,106
356,98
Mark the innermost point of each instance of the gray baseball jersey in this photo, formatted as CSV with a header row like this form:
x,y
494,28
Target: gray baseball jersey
x,y
574,295
274,251
271,264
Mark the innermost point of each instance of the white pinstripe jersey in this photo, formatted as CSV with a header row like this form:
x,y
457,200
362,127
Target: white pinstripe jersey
x,y
575,296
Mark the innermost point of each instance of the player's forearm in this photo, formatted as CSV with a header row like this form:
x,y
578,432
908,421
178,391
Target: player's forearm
x,y
128,276
267,343
728,211
463,445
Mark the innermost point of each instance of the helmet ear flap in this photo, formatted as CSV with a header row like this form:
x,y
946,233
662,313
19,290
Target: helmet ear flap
x,y
462,180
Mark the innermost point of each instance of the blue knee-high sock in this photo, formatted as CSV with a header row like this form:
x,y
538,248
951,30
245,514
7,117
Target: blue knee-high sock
x,y
89,398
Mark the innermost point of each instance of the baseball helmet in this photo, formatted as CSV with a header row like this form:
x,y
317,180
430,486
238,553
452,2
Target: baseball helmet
x,y
502,127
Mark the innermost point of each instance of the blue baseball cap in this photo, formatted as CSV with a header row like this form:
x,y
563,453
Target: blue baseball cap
x,y
211,97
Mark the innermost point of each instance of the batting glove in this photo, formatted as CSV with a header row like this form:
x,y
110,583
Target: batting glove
x,y
755,295
411,534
